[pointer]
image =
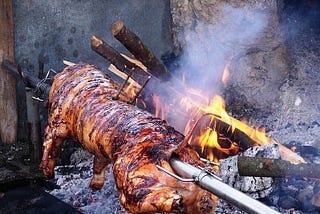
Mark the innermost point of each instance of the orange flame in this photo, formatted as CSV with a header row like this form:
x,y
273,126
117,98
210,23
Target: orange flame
x,y
212,144
226,74
130,90
159,105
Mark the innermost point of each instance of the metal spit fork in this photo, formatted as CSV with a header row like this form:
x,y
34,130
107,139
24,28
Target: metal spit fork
x,y
213,184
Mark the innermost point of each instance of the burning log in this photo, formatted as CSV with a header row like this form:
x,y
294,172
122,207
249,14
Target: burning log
x,y
269,167
236,135
134,44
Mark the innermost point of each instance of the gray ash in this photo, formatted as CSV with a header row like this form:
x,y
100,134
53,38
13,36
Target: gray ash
x,y
74,181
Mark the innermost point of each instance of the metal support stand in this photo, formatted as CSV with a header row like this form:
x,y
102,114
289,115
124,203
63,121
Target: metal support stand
x,y
34,129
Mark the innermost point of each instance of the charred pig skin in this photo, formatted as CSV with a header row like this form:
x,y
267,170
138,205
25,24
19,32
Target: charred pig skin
x,y
81,106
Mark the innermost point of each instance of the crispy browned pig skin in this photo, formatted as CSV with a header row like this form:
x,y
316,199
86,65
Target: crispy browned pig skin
x,y
81,106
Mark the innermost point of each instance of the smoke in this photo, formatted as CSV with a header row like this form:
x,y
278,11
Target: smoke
x,y
208,47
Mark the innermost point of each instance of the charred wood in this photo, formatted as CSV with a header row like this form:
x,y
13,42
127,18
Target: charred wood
x,y
134,44
236,135
268,167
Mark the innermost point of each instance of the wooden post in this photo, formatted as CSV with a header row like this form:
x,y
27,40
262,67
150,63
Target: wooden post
x,y
8,103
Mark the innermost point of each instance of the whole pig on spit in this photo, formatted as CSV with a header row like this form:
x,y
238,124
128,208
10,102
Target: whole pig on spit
x,y
81,105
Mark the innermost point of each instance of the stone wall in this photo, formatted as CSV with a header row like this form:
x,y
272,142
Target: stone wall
x,y
247,33
50,31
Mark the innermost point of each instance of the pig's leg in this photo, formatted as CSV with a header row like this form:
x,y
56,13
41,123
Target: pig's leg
x,y
51,148
99,170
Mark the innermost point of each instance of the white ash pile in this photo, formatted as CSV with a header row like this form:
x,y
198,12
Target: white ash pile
x,y
255,187
74,181
287,195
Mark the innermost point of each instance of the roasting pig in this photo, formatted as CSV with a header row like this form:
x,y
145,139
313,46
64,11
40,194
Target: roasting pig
x,y
81,106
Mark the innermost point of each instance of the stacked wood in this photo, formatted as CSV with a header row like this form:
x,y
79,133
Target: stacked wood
x,y
118,60
134,44
8,103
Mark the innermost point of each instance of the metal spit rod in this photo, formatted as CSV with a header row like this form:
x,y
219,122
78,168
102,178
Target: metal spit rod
x,y
220,189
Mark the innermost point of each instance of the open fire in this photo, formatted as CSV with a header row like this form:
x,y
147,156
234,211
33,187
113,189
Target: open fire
x,y
205,122
201,128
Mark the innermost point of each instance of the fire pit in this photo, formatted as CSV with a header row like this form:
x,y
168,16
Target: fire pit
x,y
210,111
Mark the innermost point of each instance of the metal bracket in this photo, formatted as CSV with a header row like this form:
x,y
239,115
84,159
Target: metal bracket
x,y
210,162
139,92
37,88
204,171
42,81
176,176
37,99
207,169
123,85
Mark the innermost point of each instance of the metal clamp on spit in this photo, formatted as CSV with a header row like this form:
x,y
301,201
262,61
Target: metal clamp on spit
x,y
137,94
44,80
37,89
212,183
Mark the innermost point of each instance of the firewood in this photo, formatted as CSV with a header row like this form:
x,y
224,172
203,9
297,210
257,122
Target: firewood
x,y
134,44
118,60
68,63
268,167
137,62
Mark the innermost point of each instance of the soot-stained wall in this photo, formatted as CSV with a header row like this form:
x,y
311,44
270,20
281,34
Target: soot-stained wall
x,y
51,31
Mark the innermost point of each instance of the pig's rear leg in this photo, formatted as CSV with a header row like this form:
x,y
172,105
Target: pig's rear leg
x,y
99,170
51,148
